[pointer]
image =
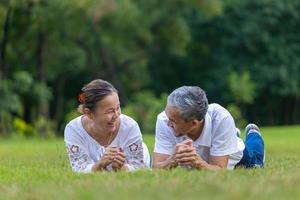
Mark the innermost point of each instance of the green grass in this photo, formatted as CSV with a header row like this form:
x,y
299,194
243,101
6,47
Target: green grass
x,y
39,169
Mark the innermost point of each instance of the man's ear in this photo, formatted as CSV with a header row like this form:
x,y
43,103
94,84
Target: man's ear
x,y
88,113
196,121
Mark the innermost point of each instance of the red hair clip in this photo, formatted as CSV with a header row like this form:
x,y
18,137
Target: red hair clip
x,y
81,97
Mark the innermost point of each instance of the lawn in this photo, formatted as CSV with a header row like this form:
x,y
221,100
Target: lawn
x,y
39,169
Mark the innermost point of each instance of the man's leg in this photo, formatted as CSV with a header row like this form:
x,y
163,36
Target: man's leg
x,y
254,148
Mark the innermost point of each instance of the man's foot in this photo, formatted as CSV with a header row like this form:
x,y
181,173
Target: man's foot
x,y
252,128
238,133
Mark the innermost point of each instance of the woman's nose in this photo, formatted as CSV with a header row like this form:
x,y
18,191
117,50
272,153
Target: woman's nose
x,y
117,113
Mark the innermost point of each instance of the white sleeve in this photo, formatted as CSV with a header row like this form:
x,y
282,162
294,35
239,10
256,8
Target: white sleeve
x,y
133,149
164,143
79,158
224,140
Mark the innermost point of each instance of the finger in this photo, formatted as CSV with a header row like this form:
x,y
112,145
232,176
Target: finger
x,y
105,161
187,154
188,142
107,158
118,163
119,158
111,154
111,149
121,154
180,147
185,150
186,159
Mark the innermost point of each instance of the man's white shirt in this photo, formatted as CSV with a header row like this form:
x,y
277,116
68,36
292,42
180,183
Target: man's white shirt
x,y
84,151
218,137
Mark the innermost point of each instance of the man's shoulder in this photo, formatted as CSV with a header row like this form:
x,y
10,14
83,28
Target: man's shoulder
x,y
216,111
162,116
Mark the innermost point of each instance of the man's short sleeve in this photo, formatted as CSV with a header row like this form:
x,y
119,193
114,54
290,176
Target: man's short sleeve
x,y
164,143
224,141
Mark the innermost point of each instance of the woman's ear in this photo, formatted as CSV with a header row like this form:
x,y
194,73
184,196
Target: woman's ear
x,y
88,113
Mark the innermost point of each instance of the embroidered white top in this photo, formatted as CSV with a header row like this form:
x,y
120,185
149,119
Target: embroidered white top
x,y
218,137
84,151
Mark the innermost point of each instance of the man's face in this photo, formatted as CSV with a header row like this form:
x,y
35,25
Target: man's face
x,y
179,125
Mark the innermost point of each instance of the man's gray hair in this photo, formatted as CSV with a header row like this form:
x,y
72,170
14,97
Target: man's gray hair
x,y
191,102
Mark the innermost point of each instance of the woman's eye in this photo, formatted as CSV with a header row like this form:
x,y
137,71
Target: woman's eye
x,y
109,111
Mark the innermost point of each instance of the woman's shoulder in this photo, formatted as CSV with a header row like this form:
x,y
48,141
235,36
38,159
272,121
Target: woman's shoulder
x,y
73,127
129,129
127,121
74,122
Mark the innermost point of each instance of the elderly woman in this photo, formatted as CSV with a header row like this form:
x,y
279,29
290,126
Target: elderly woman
x,y
103,139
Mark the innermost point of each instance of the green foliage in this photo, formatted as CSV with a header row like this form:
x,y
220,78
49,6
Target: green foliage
x,y
10,101
23,129
239,120
144,108
71,115
242,90
42,92
45,128
41,127
23,82
149,45
242,87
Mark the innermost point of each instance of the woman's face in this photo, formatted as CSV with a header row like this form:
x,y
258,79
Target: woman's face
x,y
107,113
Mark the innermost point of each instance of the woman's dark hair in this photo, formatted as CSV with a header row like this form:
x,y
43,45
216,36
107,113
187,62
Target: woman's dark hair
x,y
94,92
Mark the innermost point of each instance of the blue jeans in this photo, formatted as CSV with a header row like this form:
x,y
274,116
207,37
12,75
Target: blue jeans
x,y
253,155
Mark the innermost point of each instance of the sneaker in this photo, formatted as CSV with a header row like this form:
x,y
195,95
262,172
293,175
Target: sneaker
x,y
252,128
238,133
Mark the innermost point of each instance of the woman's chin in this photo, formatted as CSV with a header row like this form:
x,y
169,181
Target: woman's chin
x,y
111,127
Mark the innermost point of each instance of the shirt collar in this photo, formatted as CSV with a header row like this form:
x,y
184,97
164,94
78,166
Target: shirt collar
x,y
205,137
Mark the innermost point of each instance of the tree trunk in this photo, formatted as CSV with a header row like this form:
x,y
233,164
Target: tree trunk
x,y
41,48
296,110
40,57
6,29
109,65
59,98
286,110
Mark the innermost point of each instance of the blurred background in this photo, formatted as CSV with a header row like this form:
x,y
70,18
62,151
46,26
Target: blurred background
x,y
244,53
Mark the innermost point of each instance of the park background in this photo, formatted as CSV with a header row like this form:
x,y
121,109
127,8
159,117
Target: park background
x,y
244,53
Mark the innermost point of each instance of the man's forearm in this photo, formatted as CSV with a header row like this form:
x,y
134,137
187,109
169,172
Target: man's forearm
x,y
206,166
166,164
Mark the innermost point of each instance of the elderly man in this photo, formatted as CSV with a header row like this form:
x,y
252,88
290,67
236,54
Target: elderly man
x,y
192,134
